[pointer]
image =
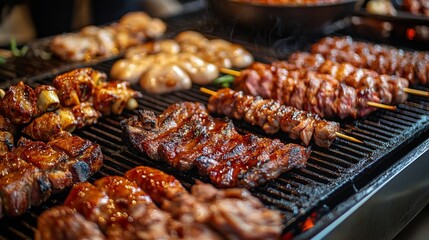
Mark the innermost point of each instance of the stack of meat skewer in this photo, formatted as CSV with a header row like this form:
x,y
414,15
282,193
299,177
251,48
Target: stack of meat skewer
x,y
310,82
149,204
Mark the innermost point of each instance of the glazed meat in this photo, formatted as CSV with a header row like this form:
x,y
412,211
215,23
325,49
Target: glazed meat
x,y
83,97
217,150
390,88
19,104
413,66
112,201
237,214
306,90
234,213
272,117
167,192
72,225
34,170
78,85
119,208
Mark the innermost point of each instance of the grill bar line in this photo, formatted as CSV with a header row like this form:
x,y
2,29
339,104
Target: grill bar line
x,y
340,135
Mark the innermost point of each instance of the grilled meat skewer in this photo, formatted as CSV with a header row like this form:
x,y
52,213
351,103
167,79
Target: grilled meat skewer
x,y
414,66
272,117
392,89
307,90
186,136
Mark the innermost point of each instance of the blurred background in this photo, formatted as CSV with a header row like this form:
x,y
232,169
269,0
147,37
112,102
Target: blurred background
x,y
25,20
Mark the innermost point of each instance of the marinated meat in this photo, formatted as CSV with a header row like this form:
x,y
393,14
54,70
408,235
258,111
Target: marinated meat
x,y
226,157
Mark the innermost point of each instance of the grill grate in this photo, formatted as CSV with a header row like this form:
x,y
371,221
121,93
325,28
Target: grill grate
x,y
328,177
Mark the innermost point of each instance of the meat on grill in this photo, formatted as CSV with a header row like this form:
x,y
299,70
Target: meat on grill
x,y
77,98
33,170
390,88
413,66
119,208
169,194
234,213
7,132
65,223
185,136
19,104
272,117
306,90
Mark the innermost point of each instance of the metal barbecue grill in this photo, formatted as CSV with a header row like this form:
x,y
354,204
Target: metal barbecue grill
x,y
371,190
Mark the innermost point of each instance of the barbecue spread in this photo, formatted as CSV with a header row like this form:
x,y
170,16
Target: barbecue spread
x,y
185,136
171,65
149,204
272,117
411,65
92,41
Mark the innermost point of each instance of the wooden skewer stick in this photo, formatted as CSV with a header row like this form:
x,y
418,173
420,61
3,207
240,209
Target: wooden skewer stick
x,y
416,92
230,72
340,135
372,104
380,105
346,137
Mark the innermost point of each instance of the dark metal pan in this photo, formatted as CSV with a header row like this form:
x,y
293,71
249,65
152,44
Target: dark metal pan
x,y
287,18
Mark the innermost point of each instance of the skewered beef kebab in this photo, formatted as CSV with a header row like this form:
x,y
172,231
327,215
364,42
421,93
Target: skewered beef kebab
x,y
77,98
392,89
272,117
308,90
414,66
126,208
186,136
34,170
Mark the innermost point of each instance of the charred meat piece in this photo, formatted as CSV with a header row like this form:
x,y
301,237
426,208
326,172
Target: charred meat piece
x,y
172,197
221,151
33,170
113,97
78,85
87,154
157,184
112,202
144,132
67,224
22,185
237,214
55,165
63,119
272,117
19,104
